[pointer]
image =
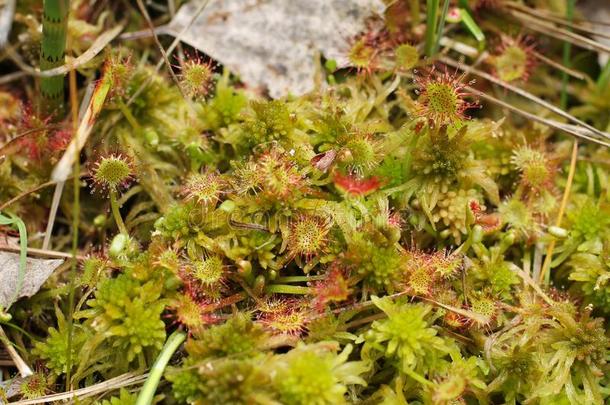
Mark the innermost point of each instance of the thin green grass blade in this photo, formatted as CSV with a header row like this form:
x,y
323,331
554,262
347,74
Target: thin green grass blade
x,y
441,27
431,12
150,386
472,26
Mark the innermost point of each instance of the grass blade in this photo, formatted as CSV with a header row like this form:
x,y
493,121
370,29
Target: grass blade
x,y
150,386
441,27
431,12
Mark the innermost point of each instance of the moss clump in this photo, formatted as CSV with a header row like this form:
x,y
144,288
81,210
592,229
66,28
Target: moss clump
x,y
271,121
381,266
315,375
406,337
128,313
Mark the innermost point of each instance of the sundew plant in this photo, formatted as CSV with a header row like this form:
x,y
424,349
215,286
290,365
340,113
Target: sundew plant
x,y
429,225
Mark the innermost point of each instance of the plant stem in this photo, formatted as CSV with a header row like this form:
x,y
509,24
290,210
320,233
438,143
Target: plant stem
x,y
129,116
545,273
287,289
604,77
114,205
75,224
52,54
546,266
419,378
431,12
150,386
298,279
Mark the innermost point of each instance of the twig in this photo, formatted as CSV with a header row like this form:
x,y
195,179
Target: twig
x,y
464,312
544,275
472,52
75,228
12,76
570,129
549,29
21,365
574,73
53,254
174,44
25,193
59,188
525,94
179,36
171,6
441,27
98,45
28,132
151,27
542,14
527,279
121,381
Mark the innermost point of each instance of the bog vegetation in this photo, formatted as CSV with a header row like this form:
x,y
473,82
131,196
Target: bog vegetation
x,y
431,225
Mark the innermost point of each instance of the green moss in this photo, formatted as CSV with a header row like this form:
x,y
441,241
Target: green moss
x,y
315,375
406,336
372,231
381,266
54,349
591,274
225,107
239,336
124,398
128,314
271,121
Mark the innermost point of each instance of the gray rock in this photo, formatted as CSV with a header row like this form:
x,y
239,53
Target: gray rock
x,y
272,44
